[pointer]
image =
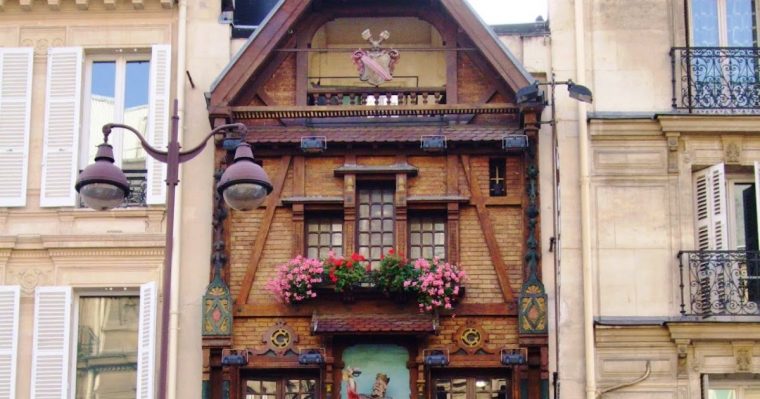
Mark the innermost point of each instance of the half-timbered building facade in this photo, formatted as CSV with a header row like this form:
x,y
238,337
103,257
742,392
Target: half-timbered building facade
x,y
388,129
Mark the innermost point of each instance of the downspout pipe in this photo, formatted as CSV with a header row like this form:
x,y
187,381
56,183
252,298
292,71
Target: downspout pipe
x,y
177,258
583,155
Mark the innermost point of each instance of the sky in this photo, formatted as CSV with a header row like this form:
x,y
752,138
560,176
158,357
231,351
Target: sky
x,y
509,11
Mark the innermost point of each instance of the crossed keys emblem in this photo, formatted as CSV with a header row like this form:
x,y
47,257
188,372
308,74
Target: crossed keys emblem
x,y
375,65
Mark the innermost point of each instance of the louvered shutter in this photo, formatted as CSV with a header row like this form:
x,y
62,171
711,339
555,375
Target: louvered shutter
x,y
61,143
711,216
51,343
158,123
15,107
146,345
9,310
757,199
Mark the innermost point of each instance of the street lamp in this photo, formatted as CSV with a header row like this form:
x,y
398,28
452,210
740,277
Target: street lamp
x,y
528,96
103,185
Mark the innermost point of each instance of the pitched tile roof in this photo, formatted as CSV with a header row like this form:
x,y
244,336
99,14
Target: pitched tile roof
x,y
351,323
376,134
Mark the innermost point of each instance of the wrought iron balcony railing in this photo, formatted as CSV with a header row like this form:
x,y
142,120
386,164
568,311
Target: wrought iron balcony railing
x,y
719,283
138,186
716,79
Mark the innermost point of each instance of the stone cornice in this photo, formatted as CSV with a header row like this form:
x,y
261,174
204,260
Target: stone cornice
x,y
621,129
84,5
83,242
748,124
716,331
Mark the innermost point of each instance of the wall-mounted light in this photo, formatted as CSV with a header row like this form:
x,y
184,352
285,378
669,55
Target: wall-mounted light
x,y
514,356
313,144
530,94
436,357
514,142
433,143
236,358
579,92
311,356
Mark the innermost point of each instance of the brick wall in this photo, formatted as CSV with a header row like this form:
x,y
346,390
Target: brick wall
x,y
282,86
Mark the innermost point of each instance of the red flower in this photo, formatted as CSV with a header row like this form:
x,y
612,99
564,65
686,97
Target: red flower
x,y
332,275
391,251
336,262
356,257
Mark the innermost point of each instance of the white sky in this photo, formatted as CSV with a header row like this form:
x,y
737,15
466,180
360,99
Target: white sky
x,y
509,11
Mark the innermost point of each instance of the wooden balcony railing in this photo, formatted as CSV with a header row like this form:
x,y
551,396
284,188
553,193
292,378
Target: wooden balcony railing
x,y
377,96
719,283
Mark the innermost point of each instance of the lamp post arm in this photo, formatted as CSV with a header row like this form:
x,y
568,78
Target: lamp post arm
x,y
163,156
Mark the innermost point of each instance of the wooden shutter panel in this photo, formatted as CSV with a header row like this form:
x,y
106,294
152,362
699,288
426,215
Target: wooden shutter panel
x,y
9,311
158,123
711,216
51,343
61,143
146,344
15,110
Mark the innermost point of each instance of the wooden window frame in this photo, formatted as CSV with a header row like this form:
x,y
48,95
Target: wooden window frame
x,y
436,213
495,163
373,184
279,379
471,376
335,214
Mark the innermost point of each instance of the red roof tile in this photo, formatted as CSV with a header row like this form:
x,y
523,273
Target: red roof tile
x,y
373,323
370,134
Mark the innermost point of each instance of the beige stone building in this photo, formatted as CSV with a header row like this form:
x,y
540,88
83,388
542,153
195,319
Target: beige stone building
x,y
658,180
79,288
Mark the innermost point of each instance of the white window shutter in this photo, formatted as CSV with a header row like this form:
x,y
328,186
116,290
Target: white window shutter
x,y
757,198
52,343
61,143
15,110
146,344
158,123
710,213
9,311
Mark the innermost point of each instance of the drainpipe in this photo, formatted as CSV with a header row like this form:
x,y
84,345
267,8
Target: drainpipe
x,y
583,150
176,260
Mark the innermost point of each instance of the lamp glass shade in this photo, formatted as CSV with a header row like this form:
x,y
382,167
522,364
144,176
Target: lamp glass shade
x,y
101,196
580,93
245,196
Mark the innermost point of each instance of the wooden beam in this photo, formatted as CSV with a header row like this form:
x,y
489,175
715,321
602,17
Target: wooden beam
x,y
261,235
299,187
488,231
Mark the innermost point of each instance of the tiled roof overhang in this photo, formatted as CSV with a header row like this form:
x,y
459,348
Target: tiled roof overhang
x,y
376,134
376,324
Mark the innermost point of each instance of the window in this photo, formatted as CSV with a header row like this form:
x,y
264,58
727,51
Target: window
x,y
86,89
106,362
98,343
471,387
722,74
323,234
281,388
726,209
723,23
726,219
497,170
745,386
427,236
375,222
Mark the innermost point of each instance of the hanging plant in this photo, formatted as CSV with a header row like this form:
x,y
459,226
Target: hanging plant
x,y
393,272
295,281
438,284
345,273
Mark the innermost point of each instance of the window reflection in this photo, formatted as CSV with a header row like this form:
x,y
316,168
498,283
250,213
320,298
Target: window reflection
x,y
107,347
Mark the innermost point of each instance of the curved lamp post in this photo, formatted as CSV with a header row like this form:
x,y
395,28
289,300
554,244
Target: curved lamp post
x,y
103,185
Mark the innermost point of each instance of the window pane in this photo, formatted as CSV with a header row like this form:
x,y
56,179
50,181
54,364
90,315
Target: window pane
x,y
135,112
704,16
431,239
102,102
740,23
326,235
378,221
107,346
722,394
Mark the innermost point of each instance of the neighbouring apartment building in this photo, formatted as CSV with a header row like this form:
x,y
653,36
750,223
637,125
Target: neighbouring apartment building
x,y
389,130
659,272
78,289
